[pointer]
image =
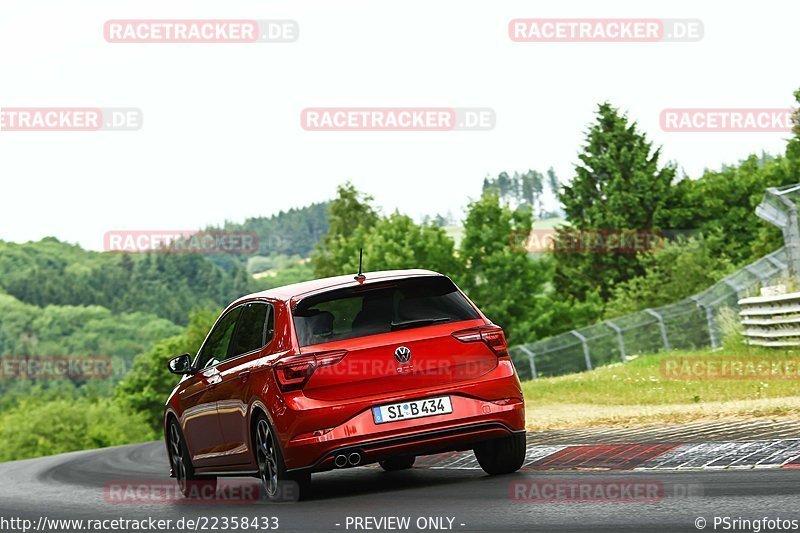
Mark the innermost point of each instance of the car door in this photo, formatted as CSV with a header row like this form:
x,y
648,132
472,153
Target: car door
x,y
200,420
254,332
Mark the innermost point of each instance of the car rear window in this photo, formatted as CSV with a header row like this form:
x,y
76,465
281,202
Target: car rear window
x,y
379,308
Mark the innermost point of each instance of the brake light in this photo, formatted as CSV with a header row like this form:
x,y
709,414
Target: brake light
x,y
492,336
292,373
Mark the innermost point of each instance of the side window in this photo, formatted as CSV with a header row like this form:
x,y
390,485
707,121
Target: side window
x,y
254,330
216,347
269,327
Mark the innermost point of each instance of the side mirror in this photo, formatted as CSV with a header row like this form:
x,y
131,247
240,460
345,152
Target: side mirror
x,y
181,365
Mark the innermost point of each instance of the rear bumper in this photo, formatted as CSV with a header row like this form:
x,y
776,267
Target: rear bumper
x,y
422,443
473,420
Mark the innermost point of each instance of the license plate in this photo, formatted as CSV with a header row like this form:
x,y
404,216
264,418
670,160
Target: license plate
x,y
416,409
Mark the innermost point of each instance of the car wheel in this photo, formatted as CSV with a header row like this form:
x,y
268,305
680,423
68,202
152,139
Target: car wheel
x,y
503,455
278,484
398,463
190,485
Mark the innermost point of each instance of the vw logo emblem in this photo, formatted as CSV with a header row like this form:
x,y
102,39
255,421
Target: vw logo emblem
x,y
402,354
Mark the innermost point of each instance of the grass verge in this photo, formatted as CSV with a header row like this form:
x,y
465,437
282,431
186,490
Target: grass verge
x,y
677,387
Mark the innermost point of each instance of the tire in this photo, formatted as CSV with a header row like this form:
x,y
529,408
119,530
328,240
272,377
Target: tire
x,y
278,484
190,486
402,462
503,455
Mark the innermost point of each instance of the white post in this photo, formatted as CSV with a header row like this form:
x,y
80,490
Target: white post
x,y
663,328
585,349
531,360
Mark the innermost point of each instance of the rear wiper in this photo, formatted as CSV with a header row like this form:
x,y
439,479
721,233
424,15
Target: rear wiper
x,y
419,322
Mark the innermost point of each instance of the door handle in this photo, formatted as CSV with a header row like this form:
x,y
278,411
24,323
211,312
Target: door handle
x,y
245,376
214,380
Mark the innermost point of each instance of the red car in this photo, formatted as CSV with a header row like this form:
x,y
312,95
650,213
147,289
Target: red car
x,y
341,372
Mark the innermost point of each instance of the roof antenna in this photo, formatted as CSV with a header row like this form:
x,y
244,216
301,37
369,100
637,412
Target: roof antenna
x,y
360,277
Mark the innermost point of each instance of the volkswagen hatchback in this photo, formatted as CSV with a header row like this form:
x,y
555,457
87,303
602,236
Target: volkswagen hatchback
x,y
342,372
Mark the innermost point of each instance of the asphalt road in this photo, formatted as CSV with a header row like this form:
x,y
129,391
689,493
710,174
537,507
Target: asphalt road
x,y
76,486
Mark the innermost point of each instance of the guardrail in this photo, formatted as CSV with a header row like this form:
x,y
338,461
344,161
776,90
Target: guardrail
x,y
771,320
685,325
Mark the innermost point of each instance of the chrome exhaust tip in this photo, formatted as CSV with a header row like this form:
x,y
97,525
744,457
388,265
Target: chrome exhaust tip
x,y
354,459
340,461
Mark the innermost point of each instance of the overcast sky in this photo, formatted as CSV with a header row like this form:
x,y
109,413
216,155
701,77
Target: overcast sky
x,y
222,136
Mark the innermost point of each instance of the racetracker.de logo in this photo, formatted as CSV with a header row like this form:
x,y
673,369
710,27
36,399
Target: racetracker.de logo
x,y
391,365
70,119
54,367
576,241
586,490
201,31
729,120
729,368
396,119
614,30
181,242
223,491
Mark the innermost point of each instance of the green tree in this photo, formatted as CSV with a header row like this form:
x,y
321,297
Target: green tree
x,y
292,232
397,242
393,242
618,185
723,202
35,428
149,382
793,148
50,272
75,331
348,213
512,289
522,190
552,182
678,270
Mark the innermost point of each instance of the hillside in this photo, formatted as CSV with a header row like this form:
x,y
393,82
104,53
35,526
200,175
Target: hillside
x,y
51,272
292,232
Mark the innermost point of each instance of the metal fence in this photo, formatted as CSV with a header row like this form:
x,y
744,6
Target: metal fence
x,y
779,207
685,325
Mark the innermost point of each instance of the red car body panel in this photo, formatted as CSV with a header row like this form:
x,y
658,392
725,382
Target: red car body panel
x,y
332,413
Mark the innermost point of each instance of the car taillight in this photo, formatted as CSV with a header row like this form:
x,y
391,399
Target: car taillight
x,y
492,336
294,372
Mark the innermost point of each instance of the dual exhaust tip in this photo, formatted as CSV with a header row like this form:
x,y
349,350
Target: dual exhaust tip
x,y
342,460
